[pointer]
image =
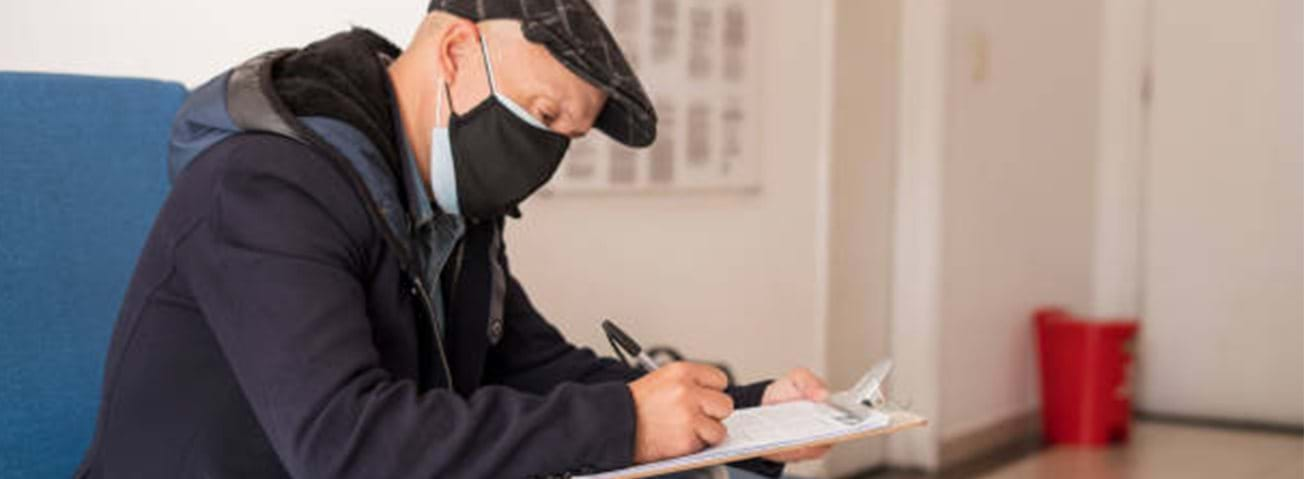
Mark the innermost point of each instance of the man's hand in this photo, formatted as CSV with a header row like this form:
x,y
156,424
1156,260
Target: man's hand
x,y
797,385
679,408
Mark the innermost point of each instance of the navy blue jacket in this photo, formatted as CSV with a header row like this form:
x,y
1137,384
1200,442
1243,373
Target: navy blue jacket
x,y
277,324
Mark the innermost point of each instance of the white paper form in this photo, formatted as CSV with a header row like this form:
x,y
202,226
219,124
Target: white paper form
x,y
764,429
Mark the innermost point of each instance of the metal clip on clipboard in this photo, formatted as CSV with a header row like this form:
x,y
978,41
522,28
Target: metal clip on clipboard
x,y
866,396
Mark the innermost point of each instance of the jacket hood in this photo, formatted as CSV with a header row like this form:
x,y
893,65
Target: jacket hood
x,y
341,77
202,122
334,96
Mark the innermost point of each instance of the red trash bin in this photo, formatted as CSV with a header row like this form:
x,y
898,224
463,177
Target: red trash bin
x,y
1086,369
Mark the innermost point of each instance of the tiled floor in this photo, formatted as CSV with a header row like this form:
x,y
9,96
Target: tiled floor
x,y
1162,450
1158,450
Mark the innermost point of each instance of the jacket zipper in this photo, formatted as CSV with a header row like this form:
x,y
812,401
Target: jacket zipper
x,y
379,216
457,269
305,135
439,336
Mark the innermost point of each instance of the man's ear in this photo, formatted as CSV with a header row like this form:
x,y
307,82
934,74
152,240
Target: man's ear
x,y
460,48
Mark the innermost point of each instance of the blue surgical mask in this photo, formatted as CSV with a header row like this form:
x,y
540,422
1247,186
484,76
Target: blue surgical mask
x,y
443,177
511,160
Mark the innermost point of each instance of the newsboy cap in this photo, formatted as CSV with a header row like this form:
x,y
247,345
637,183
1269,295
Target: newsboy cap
x,y
575,34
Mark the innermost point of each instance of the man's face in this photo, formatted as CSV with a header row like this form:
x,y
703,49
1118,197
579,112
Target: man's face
x,y
528,74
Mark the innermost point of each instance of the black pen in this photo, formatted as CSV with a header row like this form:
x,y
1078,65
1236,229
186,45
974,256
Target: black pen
x,y
620,340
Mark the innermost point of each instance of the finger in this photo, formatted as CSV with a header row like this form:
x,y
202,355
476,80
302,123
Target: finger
x,y
709,431
709,377
813,452
716,404
803,454
808,385
674,369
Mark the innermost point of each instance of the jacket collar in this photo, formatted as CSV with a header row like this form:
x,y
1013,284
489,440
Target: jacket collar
x,y
420,206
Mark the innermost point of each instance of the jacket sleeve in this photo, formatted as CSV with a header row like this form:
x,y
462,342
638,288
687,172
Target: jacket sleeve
x,y
276,273
534,356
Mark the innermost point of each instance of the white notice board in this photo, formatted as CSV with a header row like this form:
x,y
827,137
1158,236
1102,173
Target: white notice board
x,y
699,61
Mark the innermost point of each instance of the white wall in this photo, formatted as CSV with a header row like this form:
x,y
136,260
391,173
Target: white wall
x,y
864,148
1223,334
916,228
1059,189
188,40
1121,131
1018,195
722,276
733,277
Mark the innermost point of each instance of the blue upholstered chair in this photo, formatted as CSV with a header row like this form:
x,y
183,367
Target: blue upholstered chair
x,y
82,174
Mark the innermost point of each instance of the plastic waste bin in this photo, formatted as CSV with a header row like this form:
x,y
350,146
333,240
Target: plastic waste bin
x,y
1086,377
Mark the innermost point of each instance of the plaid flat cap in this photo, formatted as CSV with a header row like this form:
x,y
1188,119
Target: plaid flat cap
x,y
578,38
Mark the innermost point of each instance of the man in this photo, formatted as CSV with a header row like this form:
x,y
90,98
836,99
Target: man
x,y
325,292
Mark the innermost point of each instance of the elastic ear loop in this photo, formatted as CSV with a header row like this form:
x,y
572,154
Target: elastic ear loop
x,y
488,65
507,102
488,70
439,104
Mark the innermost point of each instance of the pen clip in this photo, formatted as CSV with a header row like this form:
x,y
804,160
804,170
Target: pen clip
x,y
618,337
622,343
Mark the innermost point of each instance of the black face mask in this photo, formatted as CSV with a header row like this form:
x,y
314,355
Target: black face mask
x,y
500,159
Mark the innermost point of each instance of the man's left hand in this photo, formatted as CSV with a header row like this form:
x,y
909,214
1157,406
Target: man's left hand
x,y
797,385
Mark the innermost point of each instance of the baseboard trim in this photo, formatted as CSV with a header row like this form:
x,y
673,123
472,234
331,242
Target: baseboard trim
x,y
888,472
1219,423
975,453
1021,432
1005,442
874,471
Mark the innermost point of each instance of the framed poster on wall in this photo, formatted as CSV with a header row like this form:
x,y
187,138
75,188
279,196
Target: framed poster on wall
x,y
698,60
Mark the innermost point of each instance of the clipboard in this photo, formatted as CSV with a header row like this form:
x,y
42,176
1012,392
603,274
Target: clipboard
x,y
856,413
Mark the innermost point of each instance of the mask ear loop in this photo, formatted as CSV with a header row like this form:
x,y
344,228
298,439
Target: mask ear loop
x,y
489,72
439,103
488,65
444,92
511,105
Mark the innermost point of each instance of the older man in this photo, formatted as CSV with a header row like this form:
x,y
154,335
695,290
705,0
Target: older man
x,y
325,292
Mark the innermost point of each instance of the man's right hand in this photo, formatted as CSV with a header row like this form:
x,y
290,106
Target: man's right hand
x,y
679,408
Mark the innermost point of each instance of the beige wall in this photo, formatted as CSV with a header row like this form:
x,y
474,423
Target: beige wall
x,y
184,41
865,68
1223,334
722,276
913,328
761,281
1121,130
1018,195
1057,190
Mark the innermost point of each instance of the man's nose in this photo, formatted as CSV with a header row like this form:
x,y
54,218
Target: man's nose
x,y
572,130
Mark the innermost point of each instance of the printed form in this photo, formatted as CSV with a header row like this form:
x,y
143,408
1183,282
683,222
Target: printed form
x,y
758,431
